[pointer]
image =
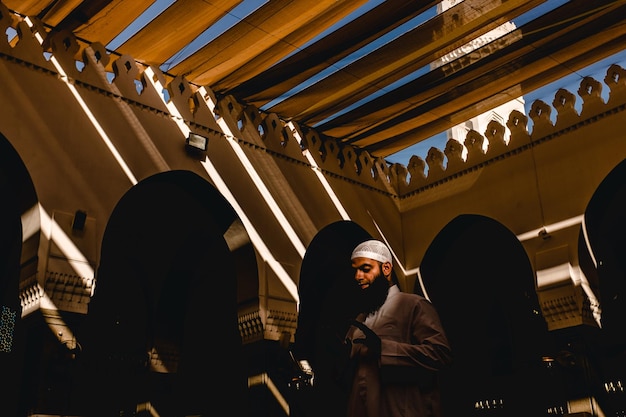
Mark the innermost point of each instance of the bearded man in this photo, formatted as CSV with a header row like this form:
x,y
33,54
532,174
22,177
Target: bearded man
x,y
397,344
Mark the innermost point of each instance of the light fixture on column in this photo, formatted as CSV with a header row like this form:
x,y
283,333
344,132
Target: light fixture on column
x,y
196,142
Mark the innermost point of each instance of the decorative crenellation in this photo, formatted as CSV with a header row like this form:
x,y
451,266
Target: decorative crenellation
x,y
250,327
268,133
347,162
567,306
69,292
31,294
591,92
615,79
413,178
565,104
65,291
280,323
561,311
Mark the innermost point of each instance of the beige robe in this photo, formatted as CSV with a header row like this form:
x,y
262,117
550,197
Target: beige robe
x,y
402,382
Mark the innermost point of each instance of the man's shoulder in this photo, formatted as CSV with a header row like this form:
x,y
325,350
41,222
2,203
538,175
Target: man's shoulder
x,y
413,297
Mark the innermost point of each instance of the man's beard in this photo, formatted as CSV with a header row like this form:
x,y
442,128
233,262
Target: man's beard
x,y
375,295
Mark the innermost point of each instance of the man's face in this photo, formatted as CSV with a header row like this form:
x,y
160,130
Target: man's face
x,y
369,276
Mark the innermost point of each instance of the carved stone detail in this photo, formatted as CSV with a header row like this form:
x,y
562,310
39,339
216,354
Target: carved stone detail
x,y
250,327
69,292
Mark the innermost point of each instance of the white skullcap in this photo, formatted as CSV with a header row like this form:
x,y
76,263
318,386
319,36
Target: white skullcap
x,y
372,249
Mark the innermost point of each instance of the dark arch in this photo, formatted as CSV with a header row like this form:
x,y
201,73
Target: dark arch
x,y
479,278
605,223
18,197
325,289
167,283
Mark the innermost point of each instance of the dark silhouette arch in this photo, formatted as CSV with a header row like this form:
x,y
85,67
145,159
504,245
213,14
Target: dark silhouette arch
x,y
165,300
605,222
479,278
18,197
326,287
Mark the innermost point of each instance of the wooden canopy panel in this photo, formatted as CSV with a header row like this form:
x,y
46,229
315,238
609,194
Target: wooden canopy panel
x,y
264,28
410,52
170,31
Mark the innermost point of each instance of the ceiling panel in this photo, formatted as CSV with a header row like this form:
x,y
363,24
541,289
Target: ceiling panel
x,y
327,51
404,55
173,29
251,37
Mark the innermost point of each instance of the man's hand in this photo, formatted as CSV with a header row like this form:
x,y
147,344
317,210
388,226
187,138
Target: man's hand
x,y
371,340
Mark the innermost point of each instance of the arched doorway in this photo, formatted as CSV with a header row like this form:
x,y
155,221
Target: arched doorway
x,y
479,278
325,288
18,197
165,302
605,223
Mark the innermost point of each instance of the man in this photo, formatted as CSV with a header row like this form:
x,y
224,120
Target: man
x,y
397,343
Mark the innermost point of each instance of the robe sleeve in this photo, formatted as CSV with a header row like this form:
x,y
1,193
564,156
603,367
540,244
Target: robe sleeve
x,y
425,348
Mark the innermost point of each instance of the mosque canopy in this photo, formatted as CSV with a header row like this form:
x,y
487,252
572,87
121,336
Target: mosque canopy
x,y
358,71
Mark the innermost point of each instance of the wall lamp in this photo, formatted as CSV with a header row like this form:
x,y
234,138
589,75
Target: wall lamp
x,y
196,144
